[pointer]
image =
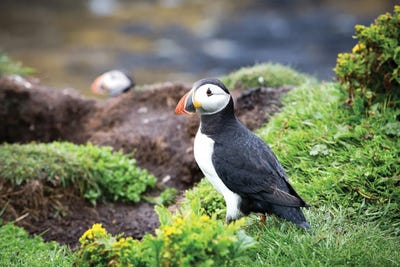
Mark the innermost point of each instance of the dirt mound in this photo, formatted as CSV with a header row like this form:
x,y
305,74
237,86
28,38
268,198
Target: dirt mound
x,y
142,122
32,112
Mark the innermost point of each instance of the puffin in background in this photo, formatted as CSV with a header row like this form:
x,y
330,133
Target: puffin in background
x,y
112,83
240,165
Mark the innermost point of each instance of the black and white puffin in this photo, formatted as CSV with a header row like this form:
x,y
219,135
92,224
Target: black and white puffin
x,y
240,165
112,83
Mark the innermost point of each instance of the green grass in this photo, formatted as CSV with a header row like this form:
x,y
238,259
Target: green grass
x,y
336,156
17,248
264,74
335,240
98,173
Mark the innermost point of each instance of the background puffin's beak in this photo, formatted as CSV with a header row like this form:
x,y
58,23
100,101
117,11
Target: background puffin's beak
x,y
95,87
185,105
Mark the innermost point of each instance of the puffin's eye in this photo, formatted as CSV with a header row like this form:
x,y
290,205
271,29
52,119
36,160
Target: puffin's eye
x,y
209,93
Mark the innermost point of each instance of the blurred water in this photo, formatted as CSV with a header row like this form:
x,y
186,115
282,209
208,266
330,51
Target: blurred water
x,y
70,42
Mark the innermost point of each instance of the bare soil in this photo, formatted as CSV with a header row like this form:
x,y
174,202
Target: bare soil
x,y
142,122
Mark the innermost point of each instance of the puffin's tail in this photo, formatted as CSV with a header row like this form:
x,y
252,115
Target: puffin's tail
x,y
294,215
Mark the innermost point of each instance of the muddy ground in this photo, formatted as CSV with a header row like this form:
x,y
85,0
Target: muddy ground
x,y
141,121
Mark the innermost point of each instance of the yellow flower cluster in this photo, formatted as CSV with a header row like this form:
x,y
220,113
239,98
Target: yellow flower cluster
x,y
124,243
171,230
205,218
96,231
357,48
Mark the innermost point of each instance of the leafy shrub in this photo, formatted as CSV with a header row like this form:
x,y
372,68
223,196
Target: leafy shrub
x,y
188,239
98,172
372,70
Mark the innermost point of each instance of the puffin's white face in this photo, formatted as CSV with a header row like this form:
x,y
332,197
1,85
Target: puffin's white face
x,y
115,80
112,83
210,98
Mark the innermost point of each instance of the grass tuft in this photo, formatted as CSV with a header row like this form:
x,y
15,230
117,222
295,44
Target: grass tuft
x,y
265,74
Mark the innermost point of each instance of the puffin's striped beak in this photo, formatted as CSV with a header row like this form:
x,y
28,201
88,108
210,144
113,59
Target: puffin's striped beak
x,y
186,105
96,86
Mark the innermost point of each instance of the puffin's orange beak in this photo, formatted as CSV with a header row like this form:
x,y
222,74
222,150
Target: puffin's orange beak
x,y
186,105
96,86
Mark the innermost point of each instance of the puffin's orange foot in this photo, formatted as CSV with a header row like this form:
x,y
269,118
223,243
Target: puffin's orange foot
x,y
262,219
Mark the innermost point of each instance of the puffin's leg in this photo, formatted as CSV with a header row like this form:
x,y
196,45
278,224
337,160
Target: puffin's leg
x,y
263,217
232,201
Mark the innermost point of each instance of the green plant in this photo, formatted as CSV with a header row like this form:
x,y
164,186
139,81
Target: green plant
x,y
97,248
372,70
188,239
166,198
98,173
8,66
211,202
17,248
192,239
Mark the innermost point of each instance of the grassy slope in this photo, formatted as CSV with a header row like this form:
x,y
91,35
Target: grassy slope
x,y
338,157
346,165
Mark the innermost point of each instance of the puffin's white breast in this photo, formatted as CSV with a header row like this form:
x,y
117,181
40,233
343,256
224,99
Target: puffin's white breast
x,y
203,151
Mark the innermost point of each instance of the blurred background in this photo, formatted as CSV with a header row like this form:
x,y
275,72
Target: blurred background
x,y
69,42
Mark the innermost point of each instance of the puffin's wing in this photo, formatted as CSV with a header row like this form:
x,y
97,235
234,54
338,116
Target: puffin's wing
x,y
248,167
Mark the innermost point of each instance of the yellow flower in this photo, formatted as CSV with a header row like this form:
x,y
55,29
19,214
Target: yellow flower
x,y
96,231
123,243
179,221
357,48
205,218
169,230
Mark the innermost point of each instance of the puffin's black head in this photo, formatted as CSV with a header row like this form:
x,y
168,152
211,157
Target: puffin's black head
x,y
207,96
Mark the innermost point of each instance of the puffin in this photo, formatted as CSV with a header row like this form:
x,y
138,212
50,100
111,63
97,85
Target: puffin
x,y
112,83
239,164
